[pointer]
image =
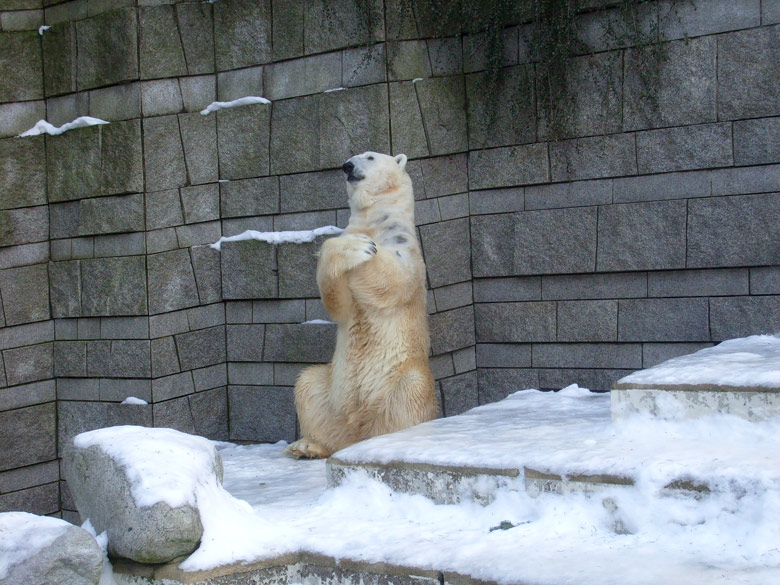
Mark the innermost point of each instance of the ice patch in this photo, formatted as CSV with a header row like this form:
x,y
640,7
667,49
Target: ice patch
x,y
43,127
244,101
276,238
42,29
132,400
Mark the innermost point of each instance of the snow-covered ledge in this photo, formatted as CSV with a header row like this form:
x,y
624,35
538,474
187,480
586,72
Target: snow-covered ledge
x,y
739,377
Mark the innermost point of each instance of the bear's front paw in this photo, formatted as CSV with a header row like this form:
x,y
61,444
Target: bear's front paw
x,y
358,248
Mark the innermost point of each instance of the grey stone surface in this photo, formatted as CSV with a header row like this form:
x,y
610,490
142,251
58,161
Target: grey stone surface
x,y
163,209
684,148
337,24
22,172
65,291
160,97
200,202
118,358
503,355
107,48
311,343
208,278
291,311
406,122
765,280
242,33
210,377
364,65
452,330
576,194
497,383
742,316
447,250
510,166
454,206
593,321
198,92
22,65
28,364
545,243
642,236
120,245
492,241
62,152
30,394
690,19
248,270
240,83
171,281
733,231
113,286
163,154
297,269
64,109
312,191
22,226
198,349
515,322
459,394
593,157
245,342
161,52
204,414
598,380
251,373
59,59
587,355
680,185
304,76
261,413
757,141
443,105
524,288
509,117
742,180
655,353
173,386
698,283
287,30
196,30
243,138
25,293
28,436
748,71
74,417
165,360
496,201
683,319
295,146
249,197
199,140
74,557
684,91
103,493
453,296
408,60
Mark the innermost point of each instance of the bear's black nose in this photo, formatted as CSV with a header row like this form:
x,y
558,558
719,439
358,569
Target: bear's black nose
x,y
348,167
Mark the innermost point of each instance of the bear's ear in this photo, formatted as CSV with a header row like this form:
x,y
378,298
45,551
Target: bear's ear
x,y
401,160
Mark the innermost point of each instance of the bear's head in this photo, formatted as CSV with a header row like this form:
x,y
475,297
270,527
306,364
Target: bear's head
x,y
372,175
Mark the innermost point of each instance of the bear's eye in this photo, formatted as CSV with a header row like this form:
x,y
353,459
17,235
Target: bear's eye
x,y
370,158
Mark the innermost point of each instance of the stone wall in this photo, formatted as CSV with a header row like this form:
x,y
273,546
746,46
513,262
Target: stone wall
x,y
647,230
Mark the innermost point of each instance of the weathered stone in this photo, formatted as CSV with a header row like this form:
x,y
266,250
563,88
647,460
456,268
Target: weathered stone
x,y
261,413
250,197
452,330
129,358
161,53
503,355
590,101
587,321
408,60
525,288
198,349
73,555
172,386
497,383
121,158
171,282
118,390
748,73
64,109
160,97
447,250
240,83
544,243
732,317
165,360
663,320
28,364
245,343
243,137
113,286
587,355
352,121
25,225
465,359
642,236
28,334
287,30
576,194
196,29
298,269
200,202
26,477
102,489
497,201
662,186
698,283
118,102
206,265
28,436
65,289
507,167
688,147
107,48
593,158
299,343
59,59
312,191
453,296
293,311
248,270
242,33
406,122
295,146
25,293
683,91
454,206
594,286
27,254
491,240
204,414
693,19
163,209
655,353
76,417
733,231
597,380
443,175
757,141
743,180
459,394
765,280
252,374
364,66
447,57
198,92
63,152
22,172
304,76
163,154
515,322
443,105
198,234
120,245
342,23
110,214
199,139
21,63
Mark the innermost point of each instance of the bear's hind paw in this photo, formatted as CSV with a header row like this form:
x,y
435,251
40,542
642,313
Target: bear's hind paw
x,y
306,449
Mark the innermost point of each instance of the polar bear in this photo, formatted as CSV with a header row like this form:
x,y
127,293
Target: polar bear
x,y
372,282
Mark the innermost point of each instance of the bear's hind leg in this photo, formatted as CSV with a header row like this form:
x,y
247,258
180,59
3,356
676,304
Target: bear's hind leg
x,y
314,416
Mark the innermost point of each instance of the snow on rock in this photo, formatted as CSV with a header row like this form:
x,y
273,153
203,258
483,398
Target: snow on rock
x,y
142,486
39,549
43,127
244,101
42,29
133,401
288,237
748,361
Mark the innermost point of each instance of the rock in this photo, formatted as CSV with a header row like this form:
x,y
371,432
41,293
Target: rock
x,y
140,486
39,549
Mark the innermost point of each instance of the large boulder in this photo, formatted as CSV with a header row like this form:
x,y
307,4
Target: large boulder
x,y
141,486
39,549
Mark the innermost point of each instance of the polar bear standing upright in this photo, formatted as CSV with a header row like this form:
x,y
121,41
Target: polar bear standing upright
x,y
372,282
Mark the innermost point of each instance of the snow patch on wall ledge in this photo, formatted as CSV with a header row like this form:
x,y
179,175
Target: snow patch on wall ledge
x,y
244,101
289,237
44,127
